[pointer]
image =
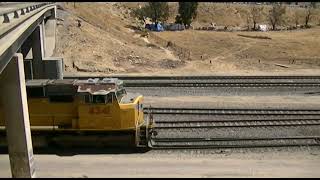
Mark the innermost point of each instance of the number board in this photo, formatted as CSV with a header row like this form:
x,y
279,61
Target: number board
x,y
99,110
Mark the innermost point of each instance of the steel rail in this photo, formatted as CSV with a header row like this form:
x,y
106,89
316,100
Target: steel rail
x,y
294,85
197,111
215,81
231,124
186,143
299,118
126,77
233,139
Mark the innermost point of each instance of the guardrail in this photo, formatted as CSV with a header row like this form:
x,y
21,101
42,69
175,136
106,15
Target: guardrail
x,y
16,23
14,13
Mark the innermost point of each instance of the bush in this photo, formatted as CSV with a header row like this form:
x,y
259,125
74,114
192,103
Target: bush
x,y
307,26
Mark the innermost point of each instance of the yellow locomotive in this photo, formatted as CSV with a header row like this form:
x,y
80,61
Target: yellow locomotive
x,y
84,112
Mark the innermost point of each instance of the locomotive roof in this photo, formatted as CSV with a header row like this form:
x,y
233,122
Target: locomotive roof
x,y
36,82
97,86
92,86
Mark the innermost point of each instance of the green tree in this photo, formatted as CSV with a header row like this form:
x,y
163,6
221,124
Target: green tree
x,y
141,14
276,15
187,12
158,11
309,13
255,15
297,15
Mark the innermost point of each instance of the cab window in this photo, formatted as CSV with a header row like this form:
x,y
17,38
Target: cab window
x,y
120,93
98,99
35,92
61,98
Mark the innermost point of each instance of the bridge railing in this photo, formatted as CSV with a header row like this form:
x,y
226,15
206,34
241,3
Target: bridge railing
x,y
24,16
20,10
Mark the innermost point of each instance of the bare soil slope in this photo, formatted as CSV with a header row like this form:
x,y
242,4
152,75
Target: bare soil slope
x,y
106,42
229,51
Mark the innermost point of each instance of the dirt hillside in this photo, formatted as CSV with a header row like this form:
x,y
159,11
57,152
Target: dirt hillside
x,y
227,14
106,43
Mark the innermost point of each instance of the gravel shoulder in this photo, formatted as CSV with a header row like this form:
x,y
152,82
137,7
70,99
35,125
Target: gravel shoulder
x,y
268,102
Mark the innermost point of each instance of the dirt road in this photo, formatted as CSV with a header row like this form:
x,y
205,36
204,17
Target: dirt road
x,y
211,163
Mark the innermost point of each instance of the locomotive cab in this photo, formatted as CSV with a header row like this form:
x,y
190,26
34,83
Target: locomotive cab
x,y
106,105
94,108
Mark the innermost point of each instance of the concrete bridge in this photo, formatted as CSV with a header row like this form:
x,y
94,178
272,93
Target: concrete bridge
x,y
27,42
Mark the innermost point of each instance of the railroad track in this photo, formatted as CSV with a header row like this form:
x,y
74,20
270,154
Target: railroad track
x,y
235,123
207,143
226,84
245,118
135,83
199,77
200,111
214,81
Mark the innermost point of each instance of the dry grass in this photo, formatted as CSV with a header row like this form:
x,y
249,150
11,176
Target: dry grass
x,y
283,47
106,44
226,14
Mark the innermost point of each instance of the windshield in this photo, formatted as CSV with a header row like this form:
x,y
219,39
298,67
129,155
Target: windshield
x,y
98,99
120,94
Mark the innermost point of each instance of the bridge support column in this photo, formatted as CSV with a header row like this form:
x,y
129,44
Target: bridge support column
x,y
28,72
13,100
50,34
43,44
37,52
53,67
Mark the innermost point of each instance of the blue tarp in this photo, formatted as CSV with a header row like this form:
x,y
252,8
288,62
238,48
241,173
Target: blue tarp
x,y
153,27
